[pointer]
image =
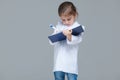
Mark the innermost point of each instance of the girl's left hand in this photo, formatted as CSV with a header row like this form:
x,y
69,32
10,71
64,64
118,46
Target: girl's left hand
x,y
67,32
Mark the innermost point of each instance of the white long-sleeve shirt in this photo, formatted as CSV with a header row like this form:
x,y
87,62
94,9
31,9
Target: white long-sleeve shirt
x,y
65,52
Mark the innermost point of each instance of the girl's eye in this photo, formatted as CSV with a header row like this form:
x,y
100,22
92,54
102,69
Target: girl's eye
x,y
63,20
69,19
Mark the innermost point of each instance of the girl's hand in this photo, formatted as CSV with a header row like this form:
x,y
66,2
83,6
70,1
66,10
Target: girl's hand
x,y
67,33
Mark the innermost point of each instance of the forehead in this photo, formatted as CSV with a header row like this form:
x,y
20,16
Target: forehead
x,y
66,17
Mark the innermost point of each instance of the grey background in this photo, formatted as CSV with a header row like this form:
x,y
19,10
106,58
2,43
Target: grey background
x,y
25,53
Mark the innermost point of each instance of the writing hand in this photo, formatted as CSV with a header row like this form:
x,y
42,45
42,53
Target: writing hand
x,y
67,33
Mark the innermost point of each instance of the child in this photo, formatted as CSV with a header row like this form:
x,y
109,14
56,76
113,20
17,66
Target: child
x,y
66,51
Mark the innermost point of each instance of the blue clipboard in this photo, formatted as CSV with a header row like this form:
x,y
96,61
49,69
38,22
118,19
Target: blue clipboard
x,y
60,36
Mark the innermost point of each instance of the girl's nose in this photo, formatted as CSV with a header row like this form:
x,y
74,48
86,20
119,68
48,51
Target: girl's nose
x,y
66,22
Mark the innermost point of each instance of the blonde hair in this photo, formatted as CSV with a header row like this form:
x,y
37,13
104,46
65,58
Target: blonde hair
x,y
67,8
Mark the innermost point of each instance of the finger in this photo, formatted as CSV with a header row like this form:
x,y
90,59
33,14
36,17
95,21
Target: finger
x,y
70,31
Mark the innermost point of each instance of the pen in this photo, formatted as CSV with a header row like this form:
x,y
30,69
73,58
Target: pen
x,y
52,26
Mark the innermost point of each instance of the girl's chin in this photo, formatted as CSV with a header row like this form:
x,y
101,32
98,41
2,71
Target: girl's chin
x,y
68,25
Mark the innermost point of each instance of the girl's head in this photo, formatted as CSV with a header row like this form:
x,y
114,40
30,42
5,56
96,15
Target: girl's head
x,y
68,13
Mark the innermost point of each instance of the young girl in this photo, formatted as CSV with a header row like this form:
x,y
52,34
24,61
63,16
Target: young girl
x,y
66,51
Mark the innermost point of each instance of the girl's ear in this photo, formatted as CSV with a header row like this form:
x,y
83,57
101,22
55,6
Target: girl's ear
x,y
76,16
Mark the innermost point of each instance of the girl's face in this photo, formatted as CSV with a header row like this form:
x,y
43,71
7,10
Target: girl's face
x,y
68,20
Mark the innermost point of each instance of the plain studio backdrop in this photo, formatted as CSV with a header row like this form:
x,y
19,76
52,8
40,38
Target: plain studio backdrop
x,y
25,53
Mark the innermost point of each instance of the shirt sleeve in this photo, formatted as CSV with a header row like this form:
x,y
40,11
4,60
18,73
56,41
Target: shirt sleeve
x,y
52,43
